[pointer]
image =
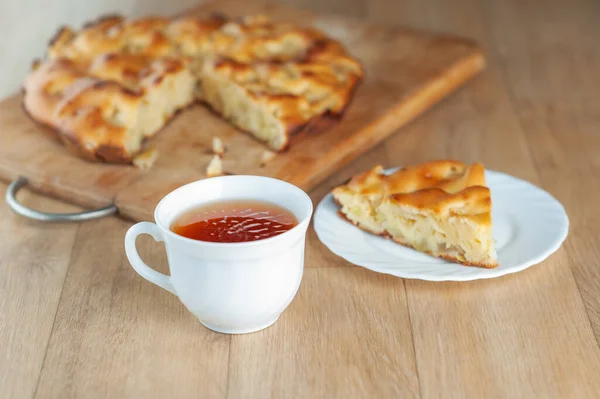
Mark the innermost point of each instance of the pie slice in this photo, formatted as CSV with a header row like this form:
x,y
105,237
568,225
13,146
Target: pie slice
x,y
442,208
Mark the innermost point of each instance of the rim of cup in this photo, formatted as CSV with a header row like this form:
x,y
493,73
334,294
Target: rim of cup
x,y
301,223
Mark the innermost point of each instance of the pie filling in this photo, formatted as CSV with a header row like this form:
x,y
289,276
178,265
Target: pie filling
x,y
361,211
235,104
455,237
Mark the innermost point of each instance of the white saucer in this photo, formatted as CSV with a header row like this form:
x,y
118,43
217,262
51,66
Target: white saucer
x,y
529,225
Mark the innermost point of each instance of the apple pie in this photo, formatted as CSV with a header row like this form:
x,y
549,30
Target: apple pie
x,y
116,82
442,208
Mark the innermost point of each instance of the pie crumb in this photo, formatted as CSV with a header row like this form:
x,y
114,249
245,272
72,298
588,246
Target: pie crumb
x,y
266,157
217,146
146,158
215,167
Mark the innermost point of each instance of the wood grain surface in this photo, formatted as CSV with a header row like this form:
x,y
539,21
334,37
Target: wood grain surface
x,y
406,73
78,322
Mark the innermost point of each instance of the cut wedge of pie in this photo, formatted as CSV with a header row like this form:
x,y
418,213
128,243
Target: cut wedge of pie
x,y
442,208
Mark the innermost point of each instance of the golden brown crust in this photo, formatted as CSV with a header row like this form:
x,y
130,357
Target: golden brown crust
x,y
443,186
91,116
293,75
95,105
468,263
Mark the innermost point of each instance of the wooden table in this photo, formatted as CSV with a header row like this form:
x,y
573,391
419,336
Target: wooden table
x,y
78,322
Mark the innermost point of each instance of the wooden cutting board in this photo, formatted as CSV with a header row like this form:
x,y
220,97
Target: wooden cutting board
x,y
407,72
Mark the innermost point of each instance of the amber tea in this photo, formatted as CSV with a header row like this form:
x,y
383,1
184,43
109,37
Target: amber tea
x,y
234,221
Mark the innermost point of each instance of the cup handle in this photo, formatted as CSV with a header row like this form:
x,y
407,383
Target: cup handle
x,y
137,263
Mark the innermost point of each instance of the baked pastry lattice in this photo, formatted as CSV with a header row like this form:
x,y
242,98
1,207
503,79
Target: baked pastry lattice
x,y
114,83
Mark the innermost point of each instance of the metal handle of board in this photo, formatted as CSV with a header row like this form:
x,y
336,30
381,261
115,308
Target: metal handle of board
x,y
11,200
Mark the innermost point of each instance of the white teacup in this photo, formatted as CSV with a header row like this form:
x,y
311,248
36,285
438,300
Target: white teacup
x,y
232,288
